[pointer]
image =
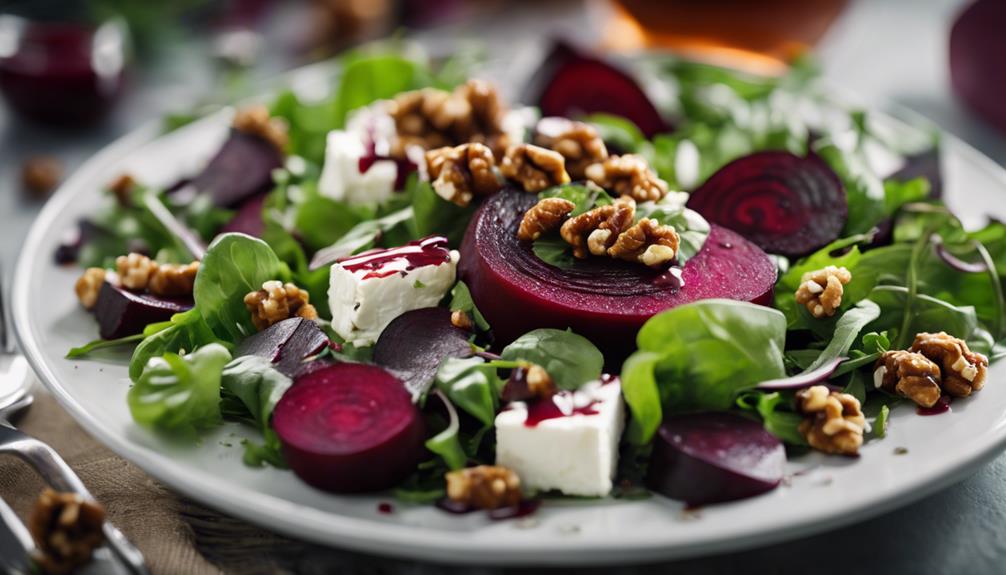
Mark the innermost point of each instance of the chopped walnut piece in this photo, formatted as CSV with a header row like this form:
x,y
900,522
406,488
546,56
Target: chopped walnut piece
x,y
88,286
610,230
255,121
431,118
578,142
539,382
135,270
172,280
821,290
484,487
963,370
122,188
647,242
628,175
534,168
40,174
462,172
910,375
66,529
577,230
833,421
545,216
527,382
461,320
277,301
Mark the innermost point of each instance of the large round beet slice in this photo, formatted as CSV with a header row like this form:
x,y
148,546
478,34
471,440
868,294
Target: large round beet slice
x,y
713,457
603,299
784,203
571,83
349,427
414,343
121,312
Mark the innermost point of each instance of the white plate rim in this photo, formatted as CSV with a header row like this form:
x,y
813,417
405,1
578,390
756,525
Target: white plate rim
x,y
404,541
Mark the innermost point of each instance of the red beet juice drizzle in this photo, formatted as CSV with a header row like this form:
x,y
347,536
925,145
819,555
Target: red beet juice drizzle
x,y
431,251
542,410
942,405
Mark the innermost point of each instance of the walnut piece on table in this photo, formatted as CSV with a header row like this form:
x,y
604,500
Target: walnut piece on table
x,y
66,529
484,487
545,216
910,375
578,142
628,175
276,302
533,167
833,421
41,174
460,173
821,290
963,370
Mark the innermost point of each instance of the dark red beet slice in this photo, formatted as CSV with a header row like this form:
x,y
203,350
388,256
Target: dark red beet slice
x,y
977,69
121,312
415,342
242,168
713,457
923,164
286,344
603,299
248,218
784,203
350,427
571,83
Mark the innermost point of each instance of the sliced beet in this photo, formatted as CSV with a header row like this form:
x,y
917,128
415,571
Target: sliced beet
x,y
241,169
121,312
286,344
415,342
705,458
784,203
248,218
572,84
350,427
926,165
603,299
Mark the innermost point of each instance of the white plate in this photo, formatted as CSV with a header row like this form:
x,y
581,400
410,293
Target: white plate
x,y
832,492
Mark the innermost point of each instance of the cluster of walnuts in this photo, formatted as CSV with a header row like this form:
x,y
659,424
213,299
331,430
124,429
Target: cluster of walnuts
x,y
935,364
138,272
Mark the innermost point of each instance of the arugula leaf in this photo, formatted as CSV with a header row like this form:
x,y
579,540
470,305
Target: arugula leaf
x,y
461,300
846,331
472,385
571,359
928,314
180,393
99,344
364,235
697,356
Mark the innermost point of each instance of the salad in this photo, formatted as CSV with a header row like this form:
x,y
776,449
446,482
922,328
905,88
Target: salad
x,y
658,276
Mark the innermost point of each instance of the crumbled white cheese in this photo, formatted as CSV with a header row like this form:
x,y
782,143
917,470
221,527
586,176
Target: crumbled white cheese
x,y
576,454
341,178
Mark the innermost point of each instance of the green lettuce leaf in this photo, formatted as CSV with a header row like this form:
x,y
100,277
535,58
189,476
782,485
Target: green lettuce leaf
x,y
570,359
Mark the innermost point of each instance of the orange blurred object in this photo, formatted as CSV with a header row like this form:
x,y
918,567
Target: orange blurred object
x,y
763,36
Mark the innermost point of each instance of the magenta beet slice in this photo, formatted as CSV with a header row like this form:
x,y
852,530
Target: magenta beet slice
x,y
248,218
414,343
786,204
572,84
705,458
603,299
241,169
349,427
121,312
286,344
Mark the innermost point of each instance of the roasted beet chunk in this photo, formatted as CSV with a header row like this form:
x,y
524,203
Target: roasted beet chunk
x,y
350,427
712,457
121,312
571,83
785,204
242,168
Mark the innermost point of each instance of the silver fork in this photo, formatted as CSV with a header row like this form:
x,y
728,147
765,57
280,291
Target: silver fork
x,y
15,397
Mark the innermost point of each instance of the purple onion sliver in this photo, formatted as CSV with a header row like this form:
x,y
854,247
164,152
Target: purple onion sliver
x,y
805,379
957,263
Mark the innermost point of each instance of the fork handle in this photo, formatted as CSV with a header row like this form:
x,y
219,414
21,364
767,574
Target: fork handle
x,y
58,474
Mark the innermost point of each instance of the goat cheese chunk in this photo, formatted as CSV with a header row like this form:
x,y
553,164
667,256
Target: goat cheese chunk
x,y
368,290
341,178
568,443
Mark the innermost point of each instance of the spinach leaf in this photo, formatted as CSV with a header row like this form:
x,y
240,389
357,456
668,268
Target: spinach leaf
x,y
692,228
180,393
435,215
461,300
697,356
185,332
472,385
928,314
367,78
554,251
571,359
846,331
321,221
617,131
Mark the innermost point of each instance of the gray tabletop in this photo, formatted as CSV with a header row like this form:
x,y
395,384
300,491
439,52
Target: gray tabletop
x,y
883,50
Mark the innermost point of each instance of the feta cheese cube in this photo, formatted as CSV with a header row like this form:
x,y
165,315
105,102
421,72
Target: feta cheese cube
x,y
341,178
569,443
368,290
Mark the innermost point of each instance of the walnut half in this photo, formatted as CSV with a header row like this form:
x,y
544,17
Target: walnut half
x,y
833,421
534,168
578,142
910,375
821,290
276,302
648,242
66,528
460,173
545,216
963,370
628,175
484,487
88,286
